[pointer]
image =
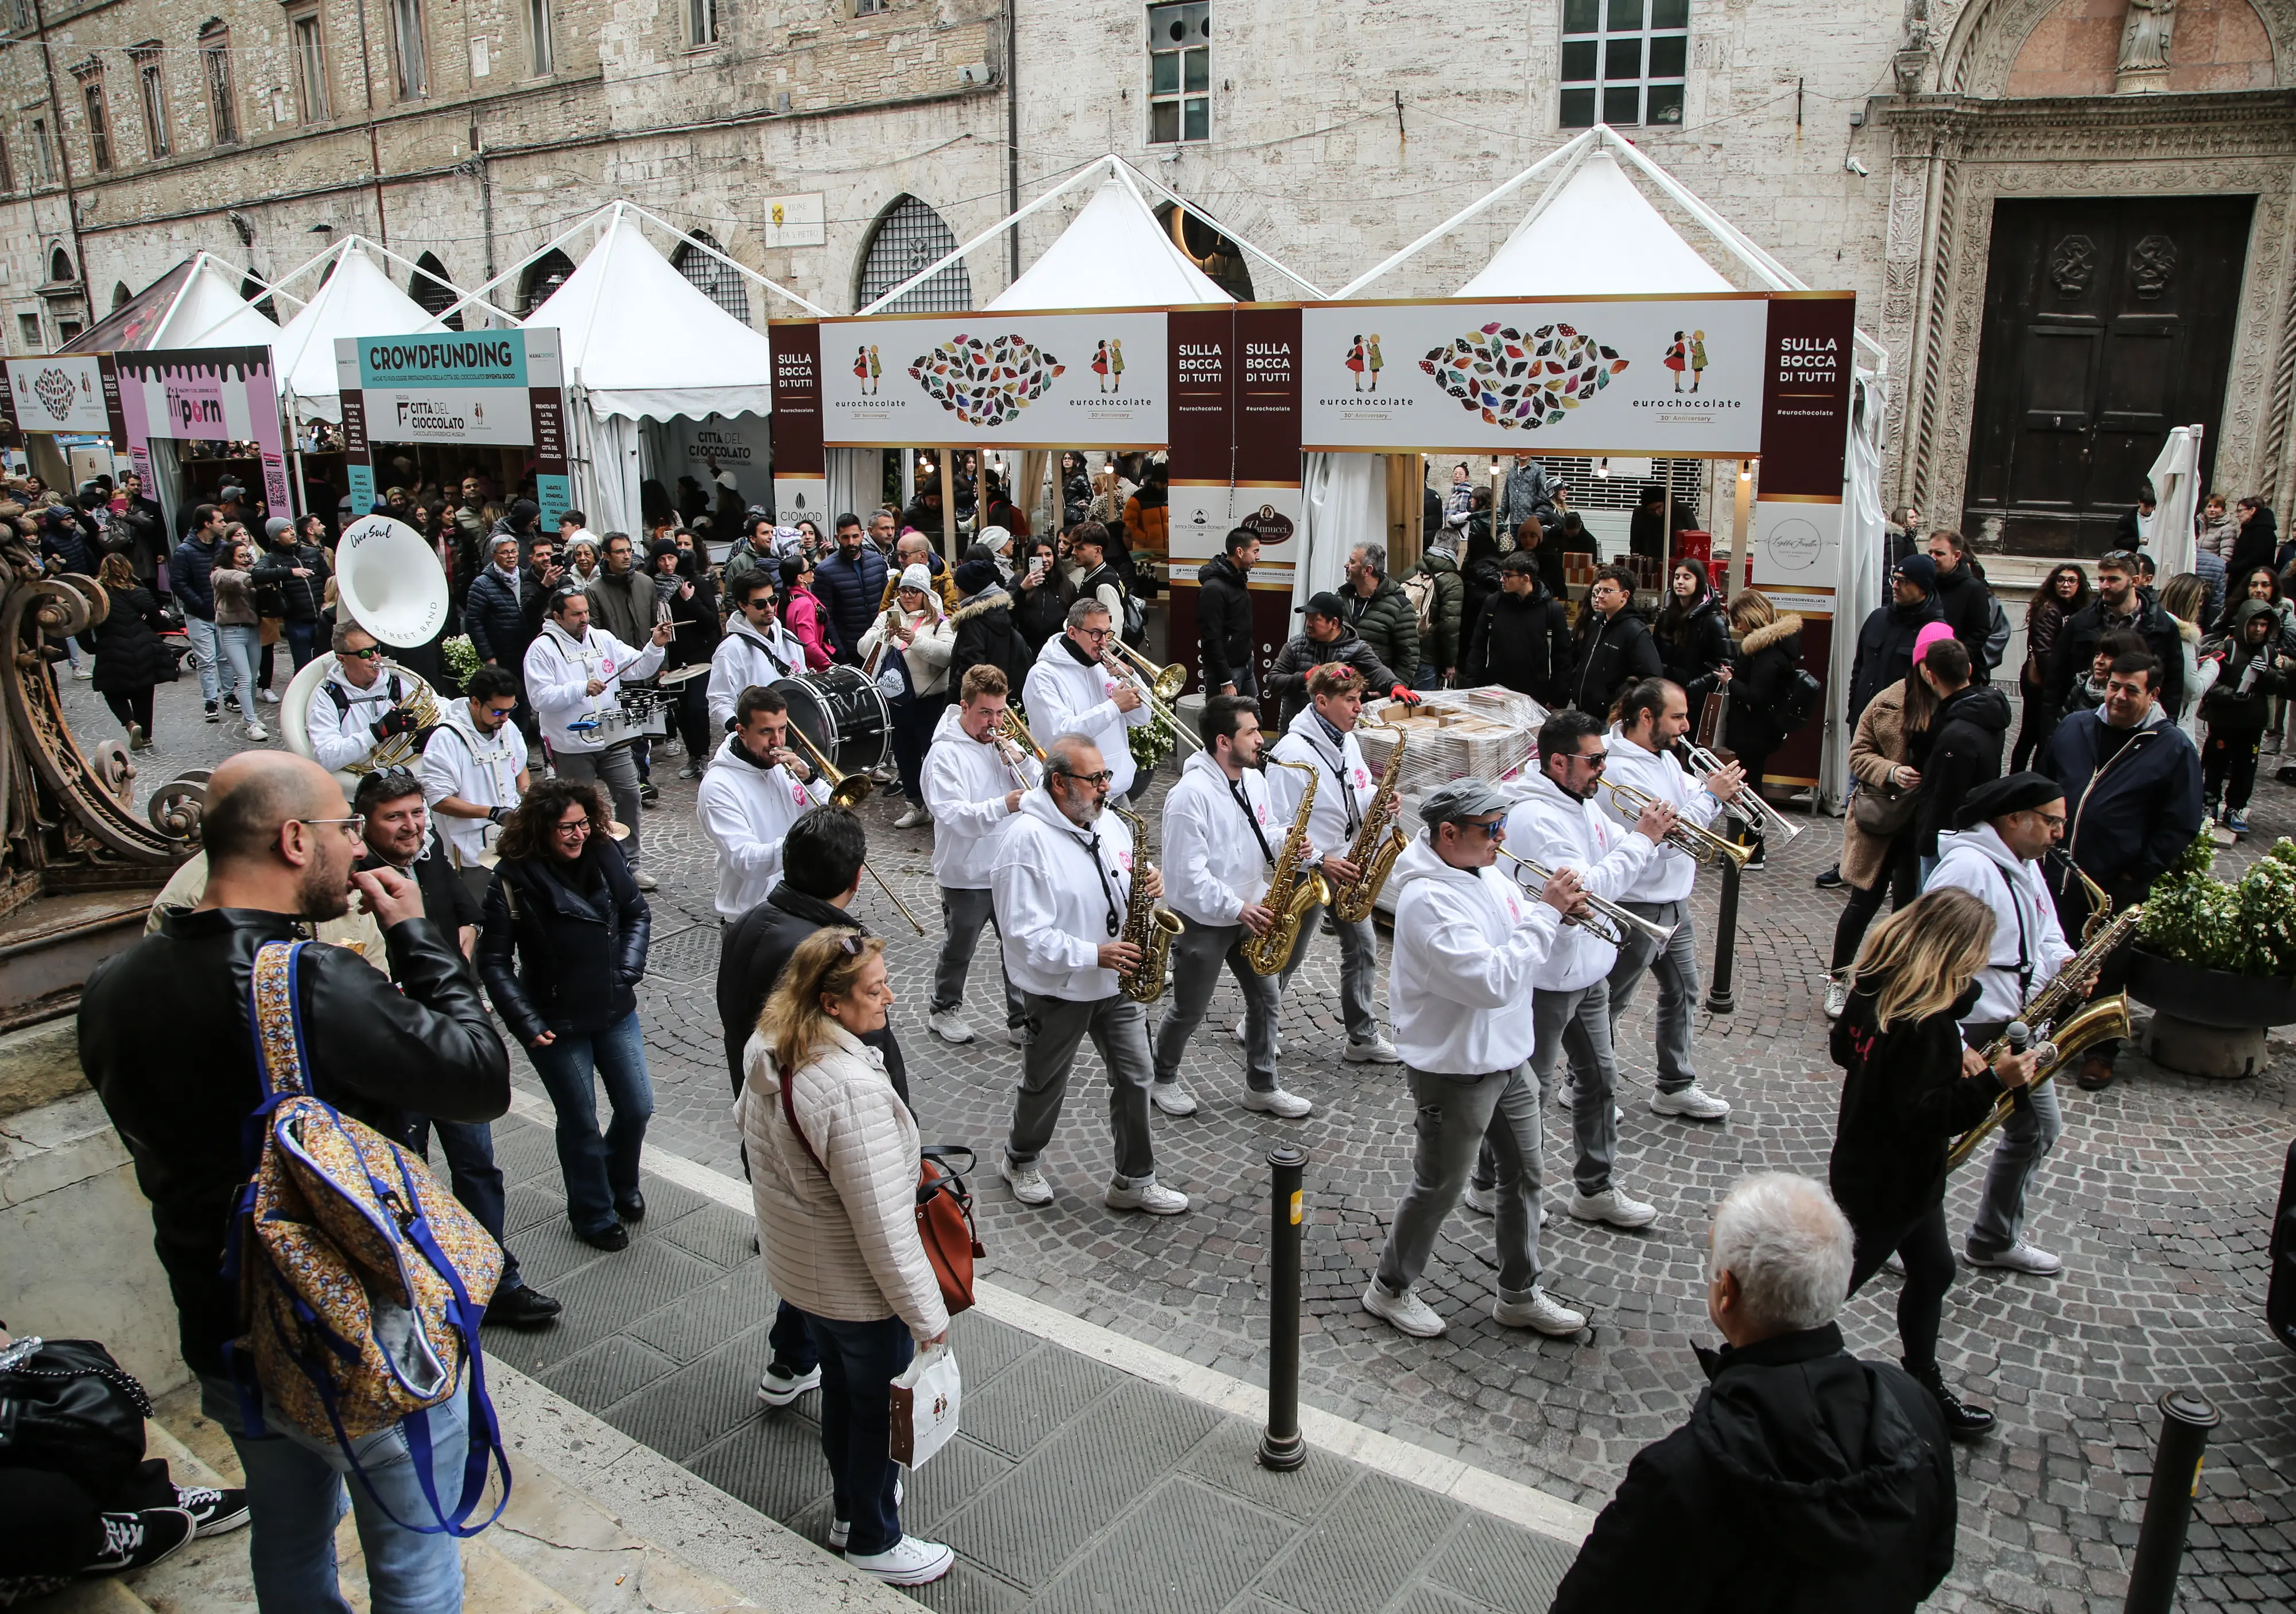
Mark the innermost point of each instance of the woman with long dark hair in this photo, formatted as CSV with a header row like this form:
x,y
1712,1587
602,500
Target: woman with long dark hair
x,y
1693,638
1042,593
129,658
2062,593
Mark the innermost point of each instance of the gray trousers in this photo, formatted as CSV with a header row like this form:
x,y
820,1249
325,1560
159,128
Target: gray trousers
x,y
2025,1137
962,915
1358,963
1119,1028
617,768
1579,1023
1457,1114
1676,965
1197,953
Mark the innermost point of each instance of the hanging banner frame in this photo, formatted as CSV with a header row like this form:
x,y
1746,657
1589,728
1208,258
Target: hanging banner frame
x,y
441,388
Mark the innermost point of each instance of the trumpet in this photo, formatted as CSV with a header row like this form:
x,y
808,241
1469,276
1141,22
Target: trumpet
x,y
846,790
1608,922
1702,844
1158,691
1749,805
1019,748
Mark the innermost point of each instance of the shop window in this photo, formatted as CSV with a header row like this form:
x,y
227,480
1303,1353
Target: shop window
x,y
1180,72
543,277
310,65
719,279
1624,62
909,238
99,127
214,57
430,288
154,89
407,39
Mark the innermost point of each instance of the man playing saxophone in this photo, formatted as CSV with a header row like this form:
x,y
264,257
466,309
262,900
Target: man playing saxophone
x,y
2005,828
1064,881
1221,844
1322,737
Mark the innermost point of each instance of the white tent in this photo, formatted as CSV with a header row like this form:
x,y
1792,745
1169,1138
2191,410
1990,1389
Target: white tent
x,y
358,299
1595,233
204,310
1113,255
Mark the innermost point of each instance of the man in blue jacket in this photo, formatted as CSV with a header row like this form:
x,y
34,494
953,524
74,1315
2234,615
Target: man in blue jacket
x,y
848,584
2132,784
187,577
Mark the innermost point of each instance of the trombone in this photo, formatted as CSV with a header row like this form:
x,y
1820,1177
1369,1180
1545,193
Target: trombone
x,y
1018,747
1702,844
848,790
1608,922
1749,805
1157,685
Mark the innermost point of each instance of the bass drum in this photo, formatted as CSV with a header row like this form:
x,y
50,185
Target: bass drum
x,y
841,710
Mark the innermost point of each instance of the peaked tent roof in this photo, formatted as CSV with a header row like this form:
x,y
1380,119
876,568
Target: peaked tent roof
x,y
359,299
1595,233
645,342
1113,255
195,304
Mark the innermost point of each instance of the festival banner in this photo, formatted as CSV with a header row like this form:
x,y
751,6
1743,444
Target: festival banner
x,y
800,472
1806,393
60,394
503,388
213,395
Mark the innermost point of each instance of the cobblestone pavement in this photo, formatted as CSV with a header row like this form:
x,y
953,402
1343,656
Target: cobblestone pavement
x,y
2159,1198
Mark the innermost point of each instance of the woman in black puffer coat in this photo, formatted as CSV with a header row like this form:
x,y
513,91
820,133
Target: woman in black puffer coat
x,y
129,658
1693,635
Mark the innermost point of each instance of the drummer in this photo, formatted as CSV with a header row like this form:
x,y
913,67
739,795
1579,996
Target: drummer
x,y
474,771
757,649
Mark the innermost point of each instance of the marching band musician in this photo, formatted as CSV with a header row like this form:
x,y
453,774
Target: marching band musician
x,y
1323,736
1469,942
1070,692
1559,826
2007,827
1651,715
1220,843
1065,882
355,709
757,649
973,782
574,674
474,768
754,789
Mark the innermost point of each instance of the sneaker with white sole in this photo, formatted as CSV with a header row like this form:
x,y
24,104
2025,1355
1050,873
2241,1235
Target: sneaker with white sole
x,y
644,881
84,674
1173,1098
1241,1037
1614,1207
1379,1050
1288,1106
1837,993
213,1513
2019,1256
1146,1194
949,1025
256,731
910,1562
1483,1202
1029,1184
1020,1037
841,1530
784,1384
137,1541
1540,1311
911,818
1566,1095
1694,1102
1406,1311
266,697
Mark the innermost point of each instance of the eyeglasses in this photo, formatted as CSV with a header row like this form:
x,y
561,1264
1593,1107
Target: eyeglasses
x,y
372,652
353,827
1492,827
759,602
1104,777
851,944
574,831
1097,633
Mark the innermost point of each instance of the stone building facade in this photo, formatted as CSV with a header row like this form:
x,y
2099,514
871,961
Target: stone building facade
x,y
1876,145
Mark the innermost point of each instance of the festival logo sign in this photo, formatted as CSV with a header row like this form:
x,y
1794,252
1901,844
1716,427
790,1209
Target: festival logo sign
x,y
1525,379
986,382
62,394
1093,380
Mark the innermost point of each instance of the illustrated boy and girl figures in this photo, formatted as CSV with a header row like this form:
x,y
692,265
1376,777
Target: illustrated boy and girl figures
x,y
1108,365
1364,356
1692,353
867,369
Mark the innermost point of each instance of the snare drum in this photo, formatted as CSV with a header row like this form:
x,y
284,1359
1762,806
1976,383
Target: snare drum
x,y
841,710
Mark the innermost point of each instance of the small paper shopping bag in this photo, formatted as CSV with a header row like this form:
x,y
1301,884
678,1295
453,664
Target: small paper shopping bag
x,y
925,1400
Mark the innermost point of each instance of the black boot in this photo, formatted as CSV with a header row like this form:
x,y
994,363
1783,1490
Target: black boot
x,y
1962,1420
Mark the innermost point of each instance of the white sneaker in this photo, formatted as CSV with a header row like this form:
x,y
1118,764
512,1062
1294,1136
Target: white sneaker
x,y
1542,1312
85,673
256,731
1406,1311
2019,1256
1379,1050
645,881
910,820
1566,1094
1018,1035
1612,1206
1029,1184
778,1388
1241,1037
1483,1202
1173,1098
1289,1106
266,697
1694,1102
1837,993
949,1025
909,1562
1147,1194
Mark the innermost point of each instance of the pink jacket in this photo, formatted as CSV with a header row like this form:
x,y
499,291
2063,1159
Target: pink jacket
x,y
802,615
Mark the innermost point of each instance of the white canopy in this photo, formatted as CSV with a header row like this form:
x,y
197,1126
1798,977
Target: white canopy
x,y
1113,255
359,299
1595,233
210,312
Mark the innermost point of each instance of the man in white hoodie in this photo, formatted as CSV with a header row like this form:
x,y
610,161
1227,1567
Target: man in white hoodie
x,y
1469,942
1220,843
972,785
1652,714
753,790
1068,691
1064,881
574,674
2007,827
1557,822
474,768
757,649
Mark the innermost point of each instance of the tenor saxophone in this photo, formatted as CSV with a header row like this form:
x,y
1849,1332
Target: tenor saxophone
x,y
1293,890
1378,842
1147,927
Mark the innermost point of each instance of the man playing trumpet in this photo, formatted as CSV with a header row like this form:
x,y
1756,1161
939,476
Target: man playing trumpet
x,y
1074,690
974,780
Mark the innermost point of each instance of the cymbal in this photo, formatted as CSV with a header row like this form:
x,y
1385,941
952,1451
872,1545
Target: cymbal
x,y
670,680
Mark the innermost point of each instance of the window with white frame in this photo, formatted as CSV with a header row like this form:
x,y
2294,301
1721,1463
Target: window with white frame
x,y
1180,72
154,92
870,8
1624,62
310,65
538,34
414,59
215,56
99,123
700,23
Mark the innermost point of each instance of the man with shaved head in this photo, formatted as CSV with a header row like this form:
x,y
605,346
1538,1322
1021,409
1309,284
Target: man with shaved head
x,y
165,1040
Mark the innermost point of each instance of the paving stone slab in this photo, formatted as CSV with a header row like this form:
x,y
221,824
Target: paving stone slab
x,y
679,1415
1490,1564
701,1319
1367,1545
1185,1548
1229,1459
718,1233
616,1366
1027,1401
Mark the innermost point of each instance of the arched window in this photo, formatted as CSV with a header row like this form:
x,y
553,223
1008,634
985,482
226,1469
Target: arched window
x,y
719,279
543,277
121,294
251,290
909,237
1220,259
430,288
60,268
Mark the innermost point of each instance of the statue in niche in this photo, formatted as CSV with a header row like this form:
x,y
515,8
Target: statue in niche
x,y
2145,37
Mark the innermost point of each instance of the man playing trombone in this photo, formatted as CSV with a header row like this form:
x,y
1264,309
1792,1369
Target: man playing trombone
x,y
975,777
754,789
1651,715
1076,688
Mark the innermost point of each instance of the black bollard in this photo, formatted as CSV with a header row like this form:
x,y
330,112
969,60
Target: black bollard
x,y
2185,1419
1720,998
1281,1447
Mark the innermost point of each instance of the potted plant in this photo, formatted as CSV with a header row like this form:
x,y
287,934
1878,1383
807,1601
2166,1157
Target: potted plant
x,y
2213,953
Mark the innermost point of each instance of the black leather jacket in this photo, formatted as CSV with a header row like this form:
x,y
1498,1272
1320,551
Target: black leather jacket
x,y
555,960
164,1039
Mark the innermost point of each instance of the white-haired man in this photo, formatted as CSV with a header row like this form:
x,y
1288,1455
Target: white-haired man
x,y
1794,1441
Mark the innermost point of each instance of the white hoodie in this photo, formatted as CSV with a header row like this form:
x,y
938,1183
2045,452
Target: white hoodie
x,y
482,769
1066,696
559,668
746,810
1548,826
966,782
342,730
1344,785
1213,863
1671,874
745,657
1468,945
2025,918
1052,907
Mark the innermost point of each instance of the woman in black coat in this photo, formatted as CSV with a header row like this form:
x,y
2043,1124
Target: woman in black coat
x,y
1042,594
129,657
562,952
1693,637
692,601
1768,654
1911,1086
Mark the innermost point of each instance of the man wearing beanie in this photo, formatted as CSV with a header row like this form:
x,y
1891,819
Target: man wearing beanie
x,y
1885,643
298,573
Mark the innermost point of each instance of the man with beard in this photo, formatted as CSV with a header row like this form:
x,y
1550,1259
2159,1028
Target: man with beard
x,y
474,769
850,584
755,788
757,651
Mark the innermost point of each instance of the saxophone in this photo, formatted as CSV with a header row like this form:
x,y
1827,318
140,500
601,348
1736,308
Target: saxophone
x,y
1293,891
1147,928
1378,843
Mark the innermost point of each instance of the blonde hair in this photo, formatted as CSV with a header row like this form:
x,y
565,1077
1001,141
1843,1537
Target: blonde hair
x,y
1923,956
826,963
1752,609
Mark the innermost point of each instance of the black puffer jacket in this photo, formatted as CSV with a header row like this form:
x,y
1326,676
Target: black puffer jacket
x,y
750,961
1766,658
1523,643
849,590
1606,656
1040,612
129,654
187,578
1904,1100
559,958
500,616
1805,1482
1695,645
985,633
1966,737
1287,675
300,599
1968,605
1885,649
1223,623
2077,640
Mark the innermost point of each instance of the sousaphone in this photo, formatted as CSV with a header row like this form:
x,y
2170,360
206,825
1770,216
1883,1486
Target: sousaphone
x,y
389,581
